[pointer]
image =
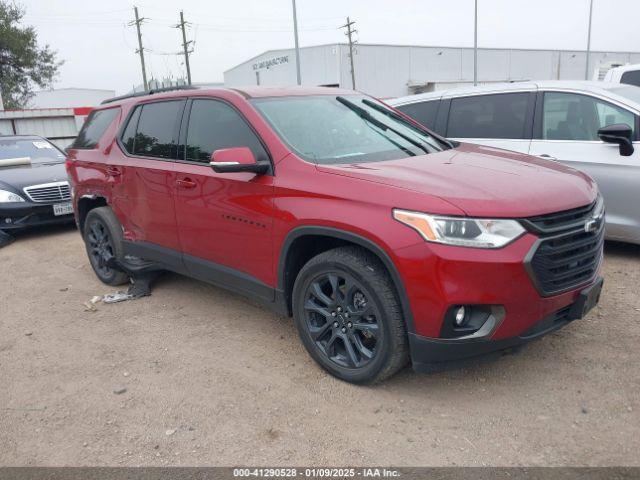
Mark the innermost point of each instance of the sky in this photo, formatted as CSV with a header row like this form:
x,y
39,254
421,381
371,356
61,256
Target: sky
x,y
98,46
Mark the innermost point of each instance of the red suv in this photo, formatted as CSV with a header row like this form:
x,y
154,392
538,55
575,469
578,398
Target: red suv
x,y
384,241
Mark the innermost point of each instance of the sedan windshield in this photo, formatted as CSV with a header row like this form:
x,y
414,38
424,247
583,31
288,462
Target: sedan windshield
x,y
31,150
345,129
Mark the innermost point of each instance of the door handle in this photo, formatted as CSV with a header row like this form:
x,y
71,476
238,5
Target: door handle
x,y
113,171
546,156
186,183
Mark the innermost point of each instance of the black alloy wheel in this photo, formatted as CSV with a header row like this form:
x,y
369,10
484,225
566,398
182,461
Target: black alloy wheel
x,y
342,319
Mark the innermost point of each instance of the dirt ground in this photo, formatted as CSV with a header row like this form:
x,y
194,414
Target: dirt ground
x,y
212,379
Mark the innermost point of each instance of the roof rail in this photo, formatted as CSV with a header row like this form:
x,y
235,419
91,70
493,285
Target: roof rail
x,y
149,92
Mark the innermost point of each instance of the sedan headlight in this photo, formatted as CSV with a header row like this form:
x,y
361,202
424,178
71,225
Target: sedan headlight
x,y
6,197
461,231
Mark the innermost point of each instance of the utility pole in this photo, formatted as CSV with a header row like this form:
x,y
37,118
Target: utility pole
x,y
349,33
138,21
475,45
295,34
586,72
185,46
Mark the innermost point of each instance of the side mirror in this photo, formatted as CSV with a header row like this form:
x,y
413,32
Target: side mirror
x,y
620,133
237,159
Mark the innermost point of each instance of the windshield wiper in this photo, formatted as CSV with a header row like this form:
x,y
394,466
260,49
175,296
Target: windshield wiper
x,y
396,116
362,113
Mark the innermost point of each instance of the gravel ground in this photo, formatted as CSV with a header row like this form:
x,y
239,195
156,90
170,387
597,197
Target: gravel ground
x,y
194,375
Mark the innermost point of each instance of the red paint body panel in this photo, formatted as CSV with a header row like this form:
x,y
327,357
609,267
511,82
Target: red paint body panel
x,y
242,220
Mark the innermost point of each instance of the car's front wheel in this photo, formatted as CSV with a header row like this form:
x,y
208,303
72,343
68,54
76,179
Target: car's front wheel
x,y
348,315
103,241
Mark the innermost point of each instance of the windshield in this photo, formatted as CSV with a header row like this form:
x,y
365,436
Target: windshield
x,y
30,150
345,129
628,91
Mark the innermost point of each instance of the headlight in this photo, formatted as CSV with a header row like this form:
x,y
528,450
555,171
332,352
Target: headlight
x,y
461,231
6,197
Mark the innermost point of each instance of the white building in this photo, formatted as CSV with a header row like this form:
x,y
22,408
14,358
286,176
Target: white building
x,y
70,97
55,114
397,70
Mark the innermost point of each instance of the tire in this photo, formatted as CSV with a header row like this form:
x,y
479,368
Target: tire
x,y
103,239
348,316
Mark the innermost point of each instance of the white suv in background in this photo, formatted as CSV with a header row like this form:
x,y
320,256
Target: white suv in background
x,y
628,74
591,126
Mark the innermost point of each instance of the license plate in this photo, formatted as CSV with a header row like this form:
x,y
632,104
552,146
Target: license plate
x,y
588,298
62,209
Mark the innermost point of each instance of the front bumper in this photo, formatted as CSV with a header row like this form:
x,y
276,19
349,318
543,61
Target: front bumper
x,y
437,277
430,354
19,215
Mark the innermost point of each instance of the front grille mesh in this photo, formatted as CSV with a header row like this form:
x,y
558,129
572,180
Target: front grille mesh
x,y
49,192
570,256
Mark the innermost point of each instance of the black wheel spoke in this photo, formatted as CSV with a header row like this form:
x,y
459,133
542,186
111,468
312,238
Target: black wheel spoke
x,y
364,351
333,281
312,306
318,332
316,290
351,353
366,327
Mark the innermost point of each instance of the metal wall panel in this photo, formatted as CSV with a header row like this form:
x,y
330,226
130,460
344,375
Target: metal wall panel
x,y
390,70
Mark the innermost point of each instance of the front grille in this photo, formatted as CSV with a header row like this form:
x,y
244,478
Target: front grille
x,y
49,192
567,254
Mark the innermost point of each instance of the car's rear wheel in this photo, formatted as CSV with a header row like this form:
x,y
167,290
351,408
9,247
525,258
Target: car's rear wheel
x,y
348,315
103,241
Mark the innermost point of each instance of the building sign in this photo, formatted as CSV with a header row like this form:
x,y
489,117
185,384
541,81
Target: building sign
x,y
271,62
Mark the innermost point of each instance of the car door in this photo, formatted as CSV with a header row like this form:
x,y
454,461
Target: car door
x,y
148,147
224,219
501,120
566,130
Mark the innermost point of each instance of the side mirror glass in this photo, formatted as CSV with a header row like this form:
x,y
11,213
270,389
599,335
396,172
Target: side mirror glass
x,y
237,159
619,133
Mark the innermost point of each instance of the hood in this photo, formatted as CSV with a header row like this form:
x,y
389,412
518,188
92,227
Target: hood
x,y
34,174
482,181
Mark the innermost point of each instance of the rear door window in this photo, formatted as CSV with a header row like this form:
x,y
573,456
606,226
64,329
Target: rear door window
x,y
423,112
501,115
94,127
156,129
214,125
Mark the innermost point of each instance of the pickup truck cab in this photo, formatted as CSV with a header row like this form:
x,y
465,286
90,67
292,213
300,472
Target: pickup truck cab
x,y
386,242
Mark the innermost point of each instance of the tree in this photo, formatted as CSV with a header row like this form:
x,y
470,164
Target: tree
x,y
23,63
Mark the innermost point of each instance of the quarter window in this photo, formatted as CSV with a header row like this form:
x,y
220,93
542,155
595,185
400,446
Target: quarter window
x,y
489,116
94,127
214,125
570,116
423,112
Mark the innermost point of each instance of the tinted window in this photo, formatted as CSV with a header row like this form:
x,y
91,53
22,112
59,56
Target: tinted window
x,y
488,116
569,116
631,78
94,127
214,125
156,132
423,112
129,134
